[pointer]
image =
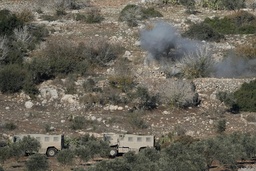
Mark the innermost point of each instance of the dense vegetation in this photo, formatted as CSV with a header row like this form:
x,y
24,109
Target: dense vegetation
x,y
134,13
179,152
241,22
241,100
186,153
214,29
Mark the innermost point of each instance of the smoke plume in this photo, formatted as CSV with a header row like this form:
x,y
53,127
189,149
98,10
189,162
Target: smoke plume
x,y
163,41
234,67
165,45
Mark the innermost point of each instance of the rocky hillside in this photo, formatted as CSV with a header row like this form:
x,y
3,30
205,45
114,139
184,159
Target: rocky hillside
x,y
54,108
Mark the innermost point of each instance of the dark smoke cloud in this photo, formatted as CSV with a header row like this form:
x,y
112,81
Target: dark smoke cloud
x,y
163,41
164,44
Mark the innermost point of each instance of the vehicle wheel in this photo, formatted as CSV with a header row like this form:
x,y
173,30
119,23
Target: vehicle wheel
x,y
51,152
113,152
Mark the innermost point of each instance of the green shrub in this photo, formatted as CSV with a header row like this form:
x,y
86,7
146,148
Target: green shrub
x,y
8,22
190,5
242,18
89,147
203,31
93,16
137,122
89,85
77,4
61,12
37,162
124,83
4,154
246,97
233,4
145,100
38,32
12,78
253,6
70,85
224,25
27,145
23,40
25,16
133,13
240,22
78,122
151,13
66,156
15,52
61,56
10,126
1,168
40,70
229,100
224,4
84,153
98,148
247,51
221,126
29,86
80,17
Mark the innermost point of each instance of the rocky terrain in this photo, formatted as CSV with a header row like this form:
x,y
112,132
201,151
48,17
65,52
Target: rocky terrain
x,y
53,109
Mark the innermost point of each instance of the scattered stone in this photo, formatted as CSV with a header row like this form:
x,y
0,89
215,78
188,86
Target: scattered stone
x,y
69,98
29,104
166,112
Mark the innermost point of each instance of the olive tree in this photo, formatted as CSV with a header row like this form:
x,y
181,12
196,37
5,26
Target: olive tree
x,y
37,162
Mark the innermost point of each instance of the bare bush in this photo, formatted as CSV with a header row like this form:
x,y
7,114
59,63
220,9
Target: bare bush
x,y
178,93
100,52
25,15
22,35
198,64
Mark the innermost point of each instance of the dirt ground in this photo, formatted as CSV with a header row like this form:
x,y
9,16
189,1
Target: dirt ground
x,y
34,120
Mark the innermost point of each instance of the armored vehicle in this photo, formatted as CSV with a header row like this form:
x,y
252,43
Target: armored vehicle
x,y
50,144
123,143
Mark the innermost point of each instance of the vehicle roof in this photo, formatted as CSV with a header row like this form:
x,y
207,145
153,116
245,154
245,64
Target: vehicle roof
x,y
22,135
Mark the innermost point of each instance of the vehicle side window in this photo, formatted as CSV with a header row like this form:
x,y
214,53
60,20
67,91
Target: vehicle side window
x,y
130,139
55,138
46,139
38,138
139,139
148,139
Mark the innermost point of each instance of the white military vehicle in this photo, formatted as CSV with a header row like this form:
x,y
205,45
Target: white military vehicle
x,y
50,144
123,143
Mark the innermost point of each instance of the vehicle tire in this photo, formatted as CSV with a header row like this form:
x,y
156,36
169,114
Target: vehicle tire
x,y
51,152
113,153
142,148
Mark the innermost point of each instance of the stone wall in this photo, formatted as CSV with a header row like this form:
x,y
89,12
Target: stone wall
x,y
214,84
